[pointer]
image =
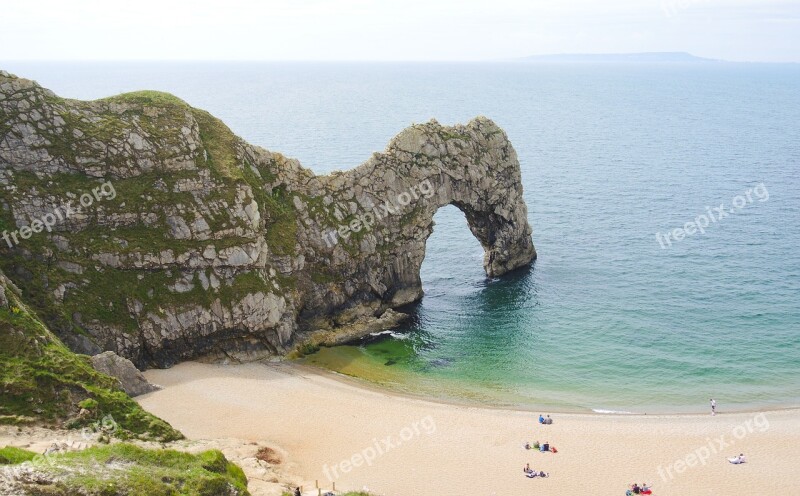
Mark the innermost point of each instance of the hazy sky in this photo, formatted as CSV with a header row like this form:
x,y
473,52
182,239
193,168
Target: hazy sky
x,y
756,30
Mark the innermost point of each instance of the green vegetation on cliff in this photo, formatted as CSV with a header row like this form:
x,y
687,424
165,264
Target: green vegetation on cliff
x,y
12,456
278,209
221,157
126,469
43,381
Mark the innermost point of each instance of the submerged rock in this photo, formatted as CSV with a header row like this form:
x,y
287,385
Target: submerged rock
x,y
190,242
441,362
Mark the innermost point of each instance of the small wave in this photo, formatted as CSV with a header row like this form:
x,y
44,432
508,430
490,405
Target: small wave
x,y
380,333
612,412
396,335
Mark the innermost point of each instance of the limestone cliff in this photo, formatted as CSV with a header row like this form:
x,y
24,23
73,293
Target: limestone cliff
x,y
141,225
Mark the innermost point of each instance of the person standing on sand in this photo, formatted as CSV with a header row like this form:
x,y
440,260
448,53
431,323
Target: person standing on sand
x,y
713,406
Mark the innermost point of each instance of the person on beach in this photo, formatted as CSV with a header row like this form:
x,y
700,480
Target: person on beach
x,y
713,406
533,474
527,468
737,460
548,420
297,492
541,419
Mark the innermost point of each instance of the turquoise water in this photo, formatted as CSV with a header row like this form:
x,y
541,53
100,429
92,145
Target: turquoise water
x,y
611,154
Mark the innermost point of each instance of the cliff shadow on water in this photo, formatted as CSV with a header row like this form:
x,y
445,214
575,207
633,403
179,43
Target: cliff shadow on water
x,y
461,306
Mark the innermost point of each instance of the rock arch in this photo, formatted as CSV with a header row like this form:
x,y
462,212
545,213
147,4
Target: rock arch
x,y
425,167
215,246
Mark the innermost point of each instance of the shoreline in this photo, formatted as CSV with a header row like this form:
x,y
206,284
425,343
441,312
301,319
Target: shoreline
x,y
361,383
333,429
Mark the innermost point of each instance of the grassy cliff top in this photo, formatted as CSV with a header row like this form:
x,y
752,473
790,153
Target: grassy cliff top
x,y
42,381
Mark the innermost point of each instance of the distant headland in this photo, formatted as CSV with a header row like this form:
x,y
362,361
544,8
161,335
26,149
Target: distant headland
x,y
660,57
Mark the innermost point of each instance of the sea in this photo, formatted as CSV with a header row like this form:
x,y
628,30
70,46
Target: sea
x,y
664,200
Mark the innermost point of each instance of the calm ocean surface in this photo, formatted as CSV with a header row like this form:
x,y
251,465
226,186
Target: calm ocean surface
x,y
611,154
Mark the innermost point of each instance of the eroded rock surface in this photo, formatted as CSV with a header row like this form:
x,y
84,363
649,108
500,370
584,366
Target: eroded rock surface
x,y
130,378
194,242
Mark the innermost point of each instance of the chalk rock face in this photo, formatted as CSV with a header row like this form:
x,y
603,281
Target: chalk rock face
x,y
131,380
143,226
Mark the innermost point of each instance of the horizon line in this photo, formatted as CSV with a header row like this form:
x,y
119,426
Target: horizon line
x,y
525,59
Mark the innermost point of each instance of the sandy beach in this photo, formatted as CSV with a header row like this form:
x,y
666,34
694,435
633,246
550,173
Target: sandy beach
x,y
332,429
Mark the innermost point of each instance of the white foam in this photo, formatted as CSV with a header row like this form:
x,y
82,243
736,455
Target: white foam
x,y
396,335
380,333
612,412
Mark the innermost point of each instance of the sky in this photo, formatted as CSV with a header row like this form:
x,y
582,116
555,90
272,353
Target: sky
x,y
383,30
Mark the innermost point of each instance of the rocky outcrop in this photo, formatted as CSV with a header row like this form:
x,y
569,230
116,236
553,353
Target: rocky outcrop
x,y
6,288
143,226
130,379
360,328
